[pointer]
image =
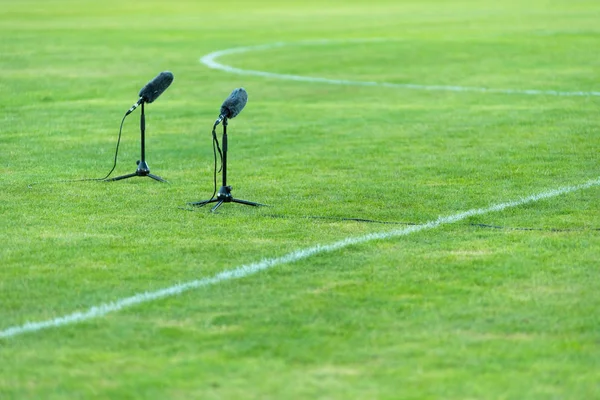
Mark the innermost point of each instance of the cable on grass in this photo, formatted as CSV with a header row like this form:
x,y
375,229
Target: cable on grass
x,y
485,226
92,179
512,228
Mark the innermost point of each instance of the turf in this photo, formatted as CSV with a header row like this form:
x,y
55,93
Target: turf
x,y
500,306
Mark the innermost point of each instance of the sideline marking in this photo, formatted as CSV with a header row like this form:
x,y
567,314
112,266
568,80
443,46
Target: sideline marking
x,y
210,60
250,269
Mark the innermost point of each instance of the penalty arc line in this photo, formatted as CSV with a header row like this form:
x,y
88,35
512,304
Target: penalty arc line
x,y
250,269
210,60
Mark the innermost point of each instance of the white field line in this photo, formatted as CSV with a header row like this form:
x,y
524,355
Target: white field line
x,y
249,269
210,60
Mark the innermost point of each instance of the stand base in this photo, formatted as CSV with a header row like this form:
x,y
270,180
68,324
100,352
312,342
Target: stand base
x,y
142,170
224,196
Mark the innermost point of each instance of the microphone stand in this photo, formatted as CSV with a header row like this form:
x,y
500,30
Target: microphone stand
x,y
142,167
224,195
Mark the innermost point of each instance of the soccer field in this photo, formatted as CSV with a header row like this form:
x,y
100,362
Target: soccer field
x,y
431,171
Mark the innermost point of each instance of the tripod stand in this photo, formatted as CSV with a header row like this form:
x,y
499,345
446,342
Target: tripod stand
x,y
224,195
142,167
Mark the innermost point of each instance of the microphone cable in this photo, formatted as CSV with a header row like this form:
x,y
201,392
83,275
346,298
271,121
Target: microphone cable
x,y
216,147
116,151
95,179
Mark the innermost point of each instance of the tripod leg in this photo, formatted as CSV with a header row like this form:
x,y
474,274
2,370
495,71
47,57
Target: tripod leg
x,y
216,206
157,178
246,202
118,178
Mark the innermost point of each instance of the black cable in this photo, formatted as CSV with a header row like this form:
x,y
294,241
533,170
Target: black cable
x,y
216,147
512,228
116,151
372,221
216,141
93,179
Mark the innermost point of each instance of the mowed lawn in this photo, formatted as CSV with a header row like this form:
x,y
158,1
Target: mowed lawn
x,y
500,305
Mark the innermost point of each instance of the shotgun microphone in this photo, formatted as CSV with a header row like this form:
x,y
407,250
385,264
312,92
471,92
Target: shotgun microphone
x,y
153,89
233,105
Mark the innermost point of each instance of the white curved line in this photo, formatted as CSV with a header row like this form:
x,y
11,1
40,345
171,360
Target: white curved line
x,y
210,60
250,269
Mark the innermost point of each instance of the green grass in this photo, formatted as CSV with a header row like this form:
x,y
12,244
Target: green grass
x,y
457,312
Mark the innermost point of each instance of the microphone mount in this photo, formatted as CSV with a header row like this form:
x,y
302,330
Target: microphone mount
x,y
224,195
142,167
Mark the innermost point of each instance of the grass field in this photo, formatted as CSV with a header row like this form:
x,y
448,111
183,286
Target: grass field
x,y
495,305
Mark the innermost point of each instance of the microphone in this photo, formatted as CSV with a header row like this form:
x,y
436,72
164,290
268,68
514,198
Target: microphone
x,y
153,89
233,105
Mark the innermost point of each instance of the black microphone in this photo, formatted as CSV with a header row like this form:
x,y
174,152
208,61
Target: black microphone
x,y
153,89
233,105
